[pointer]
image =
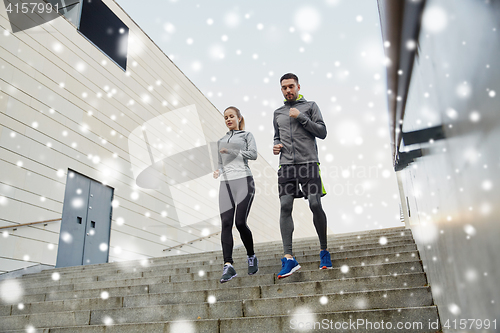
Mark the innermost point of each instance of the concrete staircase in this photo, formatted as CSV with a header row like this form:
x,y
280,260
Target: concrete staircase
x,y
377,280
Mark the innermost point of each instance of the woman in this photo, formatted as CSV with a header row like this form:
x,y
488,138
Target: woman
x,y
236,189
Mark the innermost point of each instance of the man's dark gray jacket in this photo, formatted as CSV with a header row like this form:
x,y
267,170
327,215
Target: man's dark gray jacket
x,y
298,135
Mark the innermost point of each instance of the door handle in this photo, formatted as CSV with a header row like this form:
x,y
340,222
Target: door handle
x,y
79,219
92,223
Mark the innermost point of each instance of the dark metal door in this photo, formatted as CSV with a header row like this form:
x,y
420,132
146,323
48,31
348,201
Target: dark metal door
x,y
86,222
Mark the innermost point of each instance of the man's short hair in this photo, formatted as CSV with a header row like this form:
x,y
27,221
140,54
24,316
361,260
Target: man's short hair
x,y
288,76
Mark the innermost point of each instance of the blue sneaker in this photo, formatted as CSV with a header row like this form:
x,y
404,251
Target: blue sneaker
x,y
326,261
288,266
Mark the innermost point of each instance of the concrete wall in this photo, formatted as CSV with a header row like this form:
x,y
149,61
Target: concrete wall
x,y
64,104
454,189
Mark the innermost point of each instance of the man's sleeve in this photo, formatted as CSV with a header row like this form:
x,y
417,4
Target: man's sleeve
x,y
314,125
277,139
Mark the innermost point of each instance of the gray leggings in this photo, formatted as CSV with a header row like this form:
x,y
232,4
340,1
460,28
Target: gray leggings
x,y
286,221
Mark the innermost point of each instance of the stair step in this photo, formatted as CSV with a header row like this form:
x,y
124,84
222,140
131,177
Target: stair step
x,y
325,322
95,301
350,301
372,282
366,250
265,266
373,236
193,281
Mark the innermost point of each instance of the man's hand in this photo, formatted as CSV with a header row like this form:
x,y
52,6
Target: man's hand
x,y
216,174
277,149
224,151
294,113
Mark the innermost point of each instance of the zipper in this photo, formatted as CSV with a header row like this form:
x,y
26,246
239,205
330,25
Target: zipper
x,y
232,132
291,137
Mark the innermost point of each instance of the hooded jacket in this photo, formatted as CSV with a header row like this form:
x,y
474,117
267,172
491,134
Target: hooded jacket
x,y
241,147
298,135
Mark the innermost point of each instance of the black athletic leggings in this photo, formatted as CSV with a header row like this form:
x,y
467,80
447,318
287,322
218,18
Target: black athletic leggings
x,y
235,200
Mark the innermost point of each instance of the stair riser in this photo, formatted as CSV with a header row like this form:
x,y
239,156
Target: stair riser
x,y
325,323
399,298
193,280
332,246
377,249
422,315
278,253
277,246
266,266
275,291
55,319
234,309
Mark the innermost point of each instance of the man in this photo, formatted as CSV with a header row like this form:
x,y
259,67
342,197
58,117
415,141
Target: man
x,y
296,125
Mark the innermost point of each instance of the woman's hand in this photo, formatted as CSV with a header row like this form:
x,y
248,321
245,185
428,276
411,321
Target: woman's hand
x,y
224,151
216,174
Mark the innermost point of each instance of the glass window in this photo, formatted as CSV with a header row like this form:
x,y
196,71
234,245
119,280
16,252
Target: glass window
x,y
105,30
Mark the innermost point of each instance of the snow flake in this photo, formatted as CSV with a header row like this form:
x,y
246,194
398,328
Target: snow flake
x,y
463,90
181,325
454,309
66,237
120,221
108,321
411,45
11,291
303,317
487,185
169,27
435,19
231,19
471,275
307,19
475,116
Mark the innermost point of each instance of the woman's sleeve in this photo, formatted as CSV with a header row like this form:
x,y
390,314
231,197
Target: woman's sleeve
x,y
251,148
219,158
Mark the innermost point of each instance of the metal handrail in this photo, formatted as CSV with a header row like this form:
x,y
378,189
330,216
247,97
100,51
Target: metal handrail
x,y
191,242
28,224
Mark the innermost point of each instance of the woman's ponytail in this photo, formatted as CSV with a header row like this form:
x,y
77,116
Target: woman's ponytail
x,y
242,124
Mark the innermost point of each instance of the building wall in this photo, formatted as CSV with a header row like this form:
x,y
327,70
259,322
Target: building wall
x,y
65,105
453,190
